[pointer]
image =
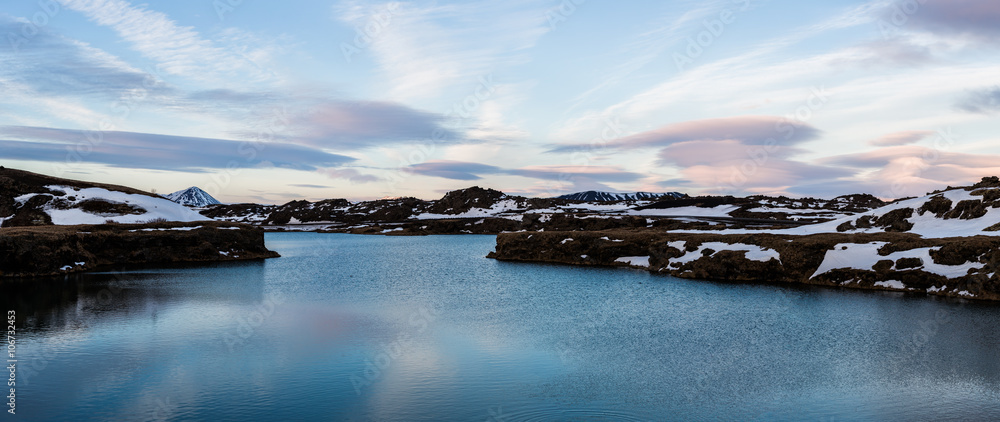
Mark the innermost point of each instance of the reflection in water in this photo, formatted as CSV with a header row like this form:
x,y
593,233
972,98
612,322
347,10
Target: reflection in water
x,y
424,328
70,301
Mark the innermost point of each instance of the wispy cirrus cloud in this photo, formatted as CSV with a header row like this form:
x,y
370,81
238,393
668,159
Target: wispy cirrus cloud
x,y
54,65
155,151
179,50
427,48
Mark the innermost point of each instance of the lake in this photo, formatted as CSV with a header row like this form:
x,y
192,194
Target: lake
x,y
349,327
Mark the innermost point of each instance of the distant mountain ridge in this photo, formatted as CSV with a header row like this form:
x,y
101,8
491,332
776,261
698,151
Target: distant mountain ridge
x,y
193,197
592,195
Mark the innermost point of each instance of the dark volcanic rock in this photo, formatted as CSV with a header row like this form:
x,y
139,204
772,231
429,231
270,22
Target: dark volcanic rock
x,y
938,205
904,263
895,220
800,257
988,182
462,200
967,210
53,250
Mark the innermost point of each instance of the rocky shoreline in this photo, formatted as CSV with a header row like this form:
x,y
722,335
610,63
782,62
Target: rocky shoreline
x,y
39,251
963,267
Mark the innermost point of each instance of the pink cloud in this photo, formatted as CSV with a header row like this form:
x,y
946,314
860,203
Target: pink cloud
x,y
901,138
912,170
352,175
749,130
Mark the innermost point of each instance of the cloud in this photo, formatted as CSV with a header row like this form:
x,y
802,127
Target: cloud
x,y
231,96
979,19
911,170
304,185
983,101
901,138
352,175
455,170
425,49
344,124
895,51
51,64
608,174
461,170
927,157
731,166
748,130
179,50
155,151
694,153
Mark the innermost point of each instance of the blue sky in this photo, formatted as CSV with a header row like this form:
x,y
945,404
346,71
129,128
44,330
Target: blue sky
x,y
268,102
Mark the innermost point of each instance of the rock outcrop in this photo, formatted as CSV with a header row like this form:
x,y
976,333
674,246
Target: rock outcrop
x,y
56,250
960,267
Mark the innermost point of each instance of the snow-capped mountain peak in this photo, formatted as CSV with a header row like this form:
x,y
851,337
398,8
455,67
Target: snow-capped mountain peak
x,y
193,197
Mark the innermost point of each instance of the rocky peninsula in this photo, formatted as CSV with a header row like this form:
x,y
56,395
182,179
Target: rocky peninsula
x,y
943,244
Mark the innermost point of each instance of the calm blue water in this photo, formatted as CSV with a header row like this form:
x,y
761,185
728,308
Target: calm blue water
x,y
349,327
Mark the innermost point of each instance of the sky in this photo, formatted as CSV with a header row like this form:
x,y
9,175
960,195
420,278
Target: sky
x,y
269,102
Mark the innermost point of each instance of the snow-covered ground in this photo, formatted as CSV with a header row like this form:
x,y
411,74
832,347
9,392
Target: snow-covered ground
x,y
864,256
503,206
927,225
719,211
752,252
154,207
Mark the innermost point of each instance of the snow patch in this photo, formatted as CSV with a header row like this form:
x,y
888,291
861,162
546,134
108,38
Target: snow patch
x,y
635,261
752,252
864,256
892,284
179,229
